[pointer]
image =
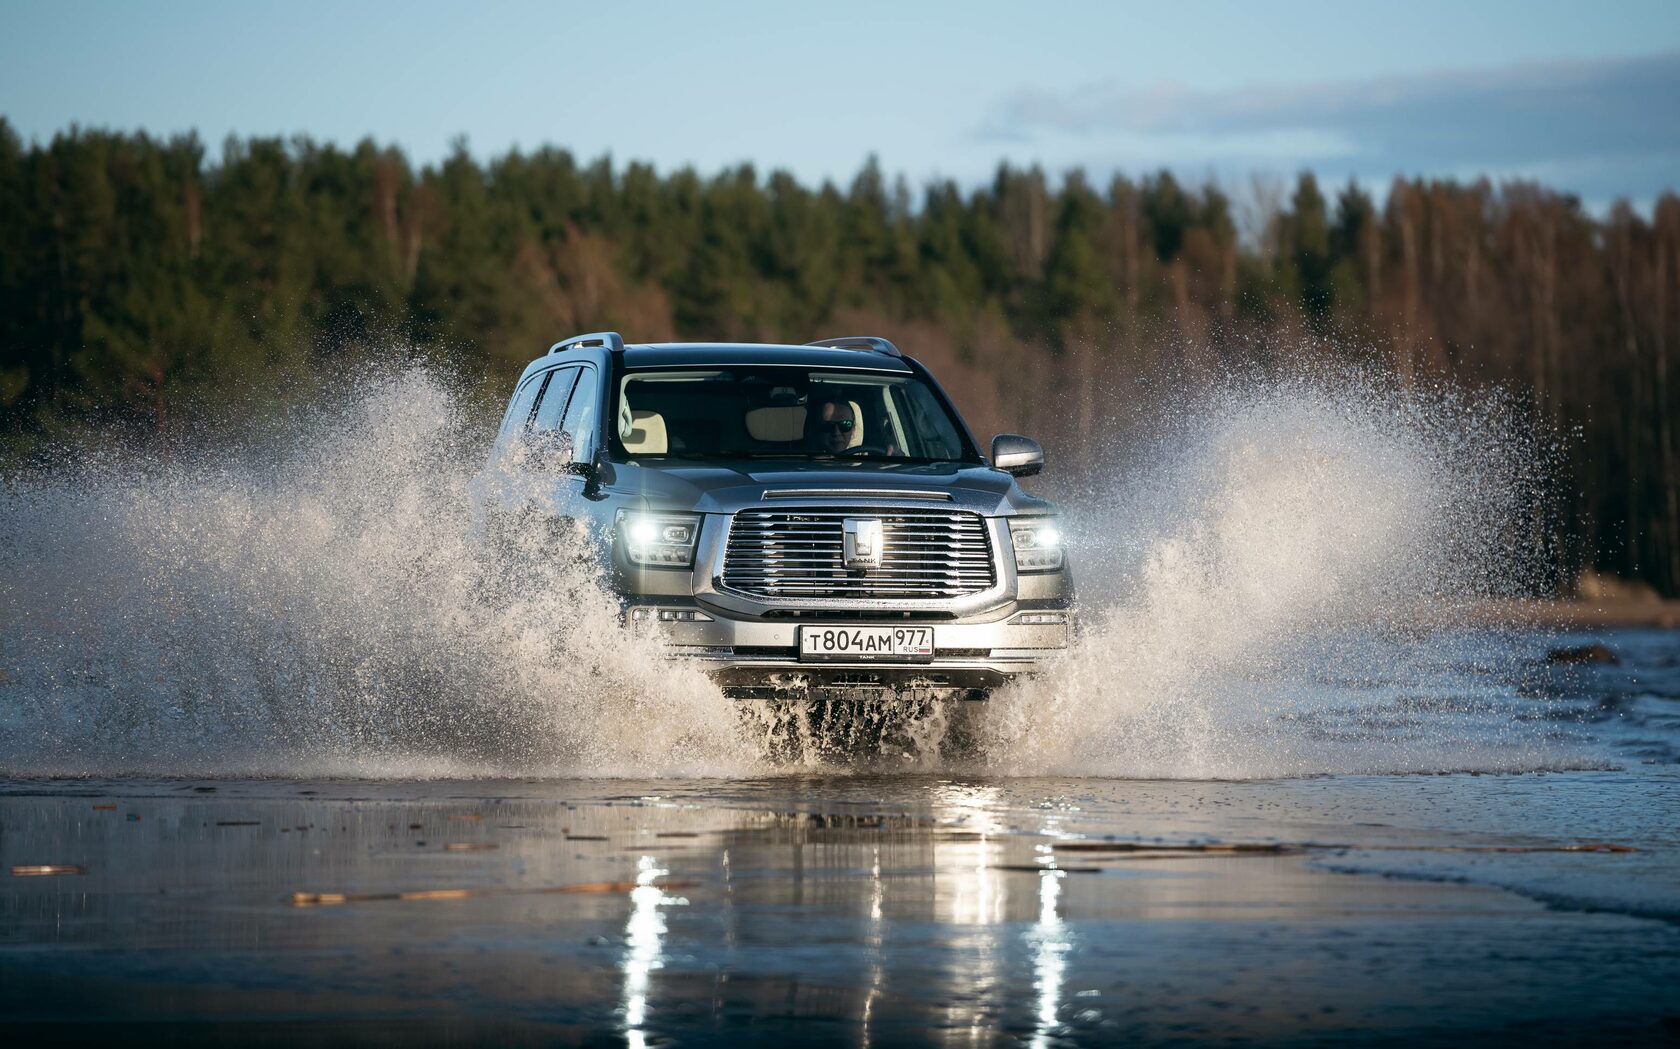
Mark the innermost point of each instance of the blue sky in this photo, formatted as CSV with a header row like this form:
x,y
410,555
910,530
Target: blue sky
x,y
1583,96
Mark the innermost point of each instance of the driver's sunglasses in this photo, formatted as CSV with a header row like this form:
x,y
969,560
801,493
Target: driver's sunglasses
x,y
838,426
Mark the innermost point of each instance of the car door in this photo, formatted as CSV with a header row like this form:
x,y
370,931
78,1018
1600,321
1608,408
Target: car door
x,y
562,443
582,436
514,490
581,422
544,435
541,460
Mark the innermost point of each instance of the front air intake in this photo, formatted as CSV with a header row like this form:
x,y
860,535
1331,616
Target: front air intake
x,y
797,553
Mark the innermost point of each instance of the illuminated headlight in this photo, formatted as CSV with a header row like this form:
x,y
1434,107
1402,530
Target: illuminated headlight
x,y
658,539
1038,544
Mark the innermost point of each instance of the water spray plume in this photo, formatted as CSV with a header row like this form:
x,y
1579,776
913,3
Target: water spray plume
x,y
1280,549
325,607
1257,584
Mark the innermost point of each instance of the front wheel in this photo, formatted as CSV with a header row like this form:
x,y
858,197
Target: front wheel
x,y
881,728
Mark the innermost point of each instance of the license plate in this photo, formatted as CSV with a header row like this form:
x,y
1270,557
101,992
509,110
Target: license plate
x,y
865,643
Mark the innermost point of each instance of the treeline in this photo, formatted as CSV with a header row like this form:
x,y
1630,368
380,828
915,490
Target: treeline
x,y
138,276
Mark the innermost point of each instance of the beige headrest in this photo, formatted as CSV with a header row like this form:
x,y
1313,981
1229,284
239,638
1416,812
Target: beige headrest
x,y
857,425
777,424
645,435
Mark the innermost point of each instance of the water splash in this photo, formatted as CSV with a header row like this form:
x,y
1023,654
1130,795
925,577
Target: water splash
x,y
1262,587
1278,588
324,605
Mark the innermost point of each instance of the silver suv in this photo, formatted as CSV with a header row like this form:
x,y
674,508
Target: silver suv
x,y
804,521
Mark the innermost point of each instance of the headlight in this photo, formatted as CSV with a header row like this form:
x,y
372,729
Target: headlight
x,y
658,539
1038,544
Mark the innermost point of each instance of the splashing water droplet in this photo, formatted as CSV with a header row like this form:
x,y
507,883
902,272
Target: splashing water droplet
x,y
1263,588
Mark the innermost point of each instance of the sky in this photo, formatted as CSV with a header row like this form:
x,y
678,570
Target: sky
x,y
1584,97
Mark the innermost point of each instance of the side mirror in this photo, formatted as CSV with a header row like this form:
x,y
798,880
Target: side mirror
x,y
1017,455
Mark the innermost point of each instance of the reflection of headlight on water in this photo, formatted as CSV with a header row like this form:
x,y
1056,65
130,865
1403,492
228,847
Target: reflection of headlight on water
x,y
644,932
1049,960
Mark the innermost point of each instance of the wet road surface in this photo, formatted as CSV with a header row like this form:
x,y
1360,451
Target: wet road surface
x,y
861,910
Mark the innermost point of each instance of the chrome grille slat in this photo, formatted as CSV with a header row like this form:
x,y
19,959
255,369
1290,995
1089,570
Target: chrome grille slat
x,y
821,587
820,528
770,564
797,552
821,555
807,512
819,577
967,567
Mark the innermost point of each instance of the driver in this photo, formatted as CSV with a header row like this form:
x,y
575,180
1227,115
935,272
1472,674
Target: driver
x,y
830,425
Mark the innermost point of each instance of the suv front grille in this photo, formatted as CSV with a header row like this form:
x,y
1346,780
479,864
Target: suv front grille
x,y
797,553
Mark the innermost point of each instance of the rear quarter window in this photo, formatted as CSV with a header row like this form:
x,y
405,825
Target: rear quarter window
x,y
519,408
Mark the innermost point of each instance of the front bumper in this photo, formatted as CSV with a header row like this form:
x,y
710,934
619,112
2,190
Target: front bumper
x,y
760,658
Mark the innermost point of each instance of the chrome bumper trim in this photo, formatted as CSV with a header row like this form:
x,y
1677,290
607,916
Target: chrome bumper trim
x,y
723,634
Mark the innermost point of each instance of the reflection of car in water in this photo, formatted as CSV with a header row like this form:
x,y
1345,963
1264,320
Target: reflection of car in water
x,y
802,520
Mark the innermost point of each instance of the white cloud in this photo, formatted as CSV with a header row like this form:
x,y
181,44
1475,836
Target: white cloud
x,y
1612,126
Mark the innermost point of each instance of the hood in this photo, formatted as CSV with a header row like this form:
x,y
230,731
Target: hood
x,y
725,487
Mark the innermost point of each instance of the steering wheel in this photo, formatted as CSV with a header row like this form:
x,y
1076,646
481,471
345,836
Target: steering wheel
x,y
866,448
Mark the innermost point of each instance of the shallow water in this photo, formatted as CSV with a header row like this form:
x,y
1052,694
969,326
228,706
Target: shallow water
x,y
861,910
881,907
291,667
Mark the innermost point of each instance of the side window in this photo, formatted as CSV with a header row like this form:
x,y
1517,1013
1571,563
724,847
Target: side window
x,y
938,438
552,407
519,409
581,416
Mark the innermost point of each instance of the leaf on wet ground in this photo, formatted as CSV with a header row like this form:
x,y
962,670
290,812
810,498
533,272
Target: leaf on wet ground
x,y
39,870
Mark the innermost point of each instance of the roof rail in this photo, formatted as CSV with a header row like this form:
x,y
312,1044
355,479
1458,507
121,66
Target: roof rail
x,y
610,340
872,343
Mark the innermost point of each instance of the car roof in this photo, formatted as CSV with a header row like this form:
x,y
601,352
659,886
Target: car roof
x,y
681,354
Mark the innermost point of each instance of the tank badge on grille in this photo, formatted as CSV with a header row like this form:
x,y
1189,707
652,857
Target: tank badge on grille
x,y
861,542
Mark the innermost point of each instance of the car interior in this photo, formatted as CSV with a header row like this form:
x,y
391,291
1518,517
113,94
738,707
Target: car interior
x,y
695,414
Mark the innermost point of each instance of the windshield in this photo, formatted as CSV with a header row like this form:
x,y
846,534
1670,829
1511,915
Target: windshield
x,y
785,412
